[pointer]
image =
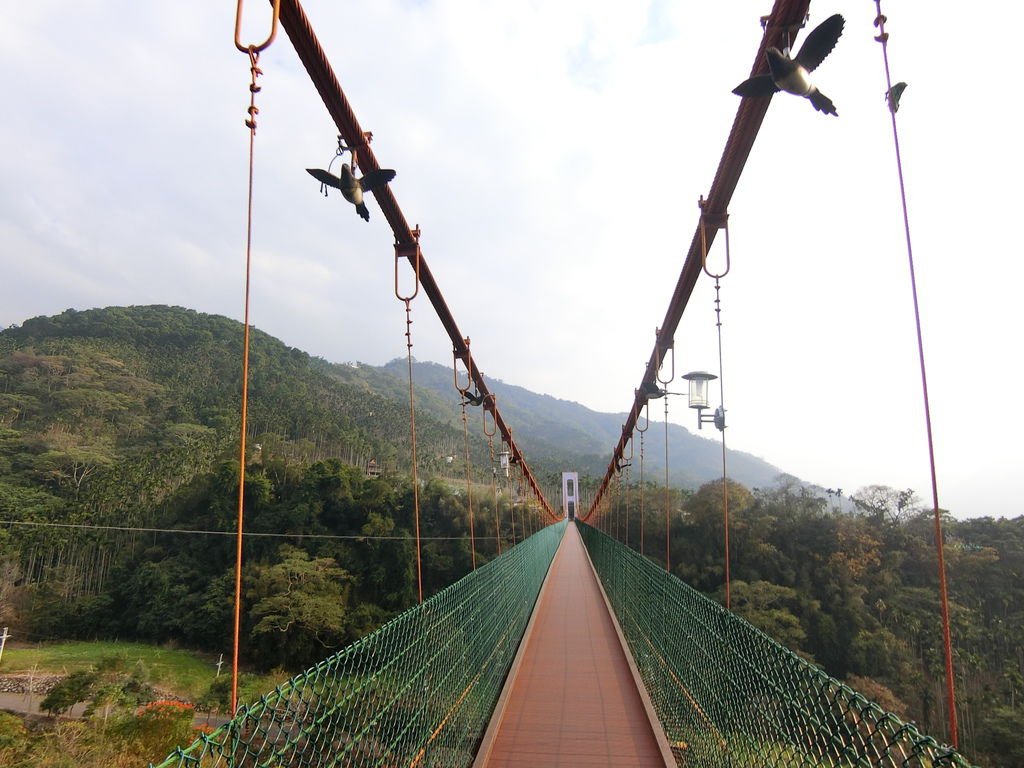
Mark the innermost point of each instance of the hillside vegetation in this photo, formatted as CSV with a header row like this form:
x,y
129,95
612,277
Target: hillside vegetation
x,y
119,480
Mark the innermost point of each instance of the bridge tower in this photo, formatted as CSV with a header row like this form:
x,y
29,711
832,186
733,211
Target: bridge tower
x,y
570,494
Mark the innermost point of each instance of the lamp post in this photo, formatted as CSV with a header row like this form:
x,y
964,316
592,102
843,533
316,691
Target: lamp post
x,y
699,400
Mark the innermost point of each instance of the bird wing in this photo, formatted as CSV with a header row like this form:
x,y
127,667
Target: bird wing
x,y
820,42
893,97
760,85
324,177
822,103
375,179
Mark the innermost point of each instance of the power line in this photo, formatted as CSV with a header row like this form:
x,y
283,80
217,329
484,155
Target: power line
x,y
195,532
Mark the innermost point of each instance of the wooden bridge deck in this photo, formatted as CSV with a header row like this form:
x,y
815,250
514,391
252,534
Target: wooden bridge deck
x,y
572,697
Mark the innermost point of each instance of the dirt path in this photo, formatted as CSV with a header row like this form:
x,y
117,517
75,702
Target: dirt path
x,y
28,704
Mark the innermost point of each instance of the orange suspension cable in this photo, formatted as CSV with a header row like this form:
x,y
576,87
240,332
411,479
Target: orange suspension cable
x,y
618,508
512,501
883,38
464,392
668,502
494,471
402,250
643,515
626,468
489,404
749,116
672,348
498,523
513,518
720,221
253,51
613,517
469,484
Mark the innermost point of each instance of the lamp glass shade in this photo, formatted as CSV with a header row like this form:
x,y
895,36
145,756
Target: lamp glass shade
x,y
698,393
699,388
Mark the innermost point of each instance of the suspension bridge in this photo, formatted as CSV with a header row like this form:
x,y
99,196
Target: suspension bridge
x,y
570,648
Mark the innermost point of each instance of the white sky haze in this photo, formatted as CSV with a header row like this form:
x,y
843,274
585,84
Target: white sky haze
x,y
553,155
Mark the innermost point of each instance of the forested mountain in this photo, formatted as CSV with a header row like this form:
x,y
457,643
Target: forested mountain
x,y
123,375
574,436
119,481
119,428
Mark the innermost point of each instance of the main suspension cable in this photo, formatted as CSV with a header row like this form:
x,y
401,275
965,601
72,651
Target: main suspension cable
x,y
749,116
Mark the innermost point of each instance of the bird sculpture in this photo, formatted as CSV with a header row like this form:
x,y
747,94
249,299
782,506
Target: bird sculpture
x,y
893,96
473,399
651,391
793,75
353,189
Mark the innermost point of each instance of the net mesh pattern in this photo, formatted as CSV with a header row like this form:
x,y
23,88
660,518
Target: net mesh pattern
x,y
419,691
728,695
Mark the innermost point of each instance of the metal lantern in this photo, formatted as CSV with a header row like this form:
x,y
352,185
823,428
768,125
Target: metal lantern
x,y
699,388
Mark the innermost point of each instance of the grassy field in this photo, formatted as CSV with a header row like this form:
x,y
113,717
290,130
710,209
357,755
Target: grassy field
x,y
184,673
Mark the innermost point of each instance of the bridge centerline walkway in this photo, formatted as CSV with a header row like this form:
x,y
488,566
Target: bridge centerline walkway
x,y
571,698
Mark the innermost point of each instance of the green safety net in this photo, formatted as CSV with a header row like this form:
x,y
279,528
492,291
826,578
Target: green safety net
x,y
729,695
417,692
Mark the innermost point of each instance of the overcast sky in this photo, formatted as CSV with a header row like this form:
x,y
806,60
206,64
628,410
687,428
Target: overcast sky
x,y
123,181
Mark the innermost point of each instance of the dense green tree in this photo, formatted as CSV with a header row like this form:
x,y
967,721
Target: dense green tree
x,y
71,690
297,609
771,608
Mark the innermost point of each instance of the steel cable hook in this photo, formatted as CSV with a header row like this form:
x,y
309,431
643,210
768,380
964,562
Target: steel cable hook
x,y
647,419
671,347
411,251
467,360
340,151
255,49
717,221
490,403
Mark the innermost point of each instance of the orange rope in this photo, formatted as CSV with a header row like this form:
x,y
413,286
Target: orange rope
x,y
490,432
411,251
665,382
626,501
883,38
725,513
254,54
494,471
513,518
412,431
668,555
497,526
253,51
722,222
469,484
616,493
643,514
463,391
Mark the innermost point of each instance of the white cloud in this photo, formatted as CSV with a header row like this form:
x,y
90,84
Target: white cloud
x,y
553,154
